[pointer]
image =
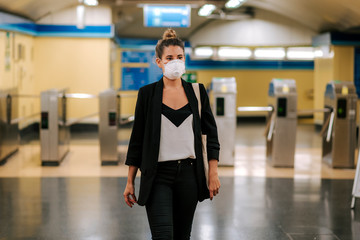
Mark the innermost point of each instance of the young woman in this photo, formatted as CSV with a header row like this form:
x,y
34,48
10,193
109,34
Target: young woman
x,y
166,145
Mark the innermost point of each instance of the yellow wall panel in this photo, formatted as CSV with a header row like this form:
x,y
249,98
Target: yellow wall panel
x,y
252,85
82,65
344,63
7,80
339,65
24,77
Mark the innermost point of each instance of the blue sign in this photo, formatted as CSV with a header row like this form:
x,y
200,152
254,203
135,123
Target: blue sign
x,y
135,57
167,16
134,78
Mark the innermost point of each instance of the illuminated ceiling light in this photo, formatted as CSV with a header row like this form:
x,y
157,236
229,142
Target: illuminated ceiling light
x,y
206,10
270,53
203,52
234,53
234,3
80,16
300,53
91,2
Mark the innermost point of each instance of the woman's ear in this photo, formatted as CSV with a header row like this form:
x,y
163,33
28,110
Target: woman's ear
x,y
158,62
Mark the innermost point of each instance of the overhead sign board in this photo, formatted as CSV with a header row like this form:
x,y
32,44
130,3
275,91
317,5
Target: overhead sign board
x,y
167,15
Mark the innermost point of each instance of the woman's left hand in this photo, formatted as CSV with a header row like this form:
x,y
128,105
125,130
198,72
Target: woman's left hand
x,y
214,182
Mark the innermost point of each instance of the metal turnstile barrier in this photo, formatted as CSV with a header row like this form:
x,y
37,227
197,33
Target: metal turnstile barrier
x,y
280,131
54,131
282,121
109,124
109,102
223,100
55,127
9,127
339,142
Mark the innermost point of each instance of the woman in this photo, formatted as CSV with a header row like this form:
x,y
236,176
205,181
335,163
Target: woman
x,y
166,145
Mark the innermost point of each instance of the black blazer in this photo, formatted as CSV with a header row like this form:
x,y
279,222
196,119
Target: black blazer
x,y
143,151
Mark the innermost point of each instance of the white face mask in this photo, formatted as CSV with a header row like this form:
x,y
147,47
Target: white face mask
x,y
174,69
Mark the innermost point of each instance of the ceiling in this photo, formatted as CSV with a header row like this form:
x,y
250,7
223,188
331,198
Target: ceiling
x,y
317,15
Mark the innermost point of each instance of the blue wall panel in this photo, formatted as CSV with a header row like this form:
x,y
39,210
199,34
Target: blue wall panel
x,y
357,71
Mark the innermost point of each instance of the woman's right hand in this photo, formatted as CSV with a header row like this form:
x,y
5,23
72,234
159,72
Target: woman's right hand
x,y
129,195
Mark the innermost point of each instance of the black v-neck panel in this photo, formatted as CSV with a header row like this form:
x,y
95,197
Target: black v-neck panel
x,y
178,116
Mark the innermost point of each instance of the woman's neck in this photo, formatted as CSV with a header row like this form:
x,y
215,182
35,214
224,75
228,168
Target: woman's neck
x,y
172,83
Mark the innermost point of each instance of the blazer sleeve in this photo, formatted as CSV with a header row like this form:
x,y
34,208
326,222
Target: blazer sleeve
x,y
134,154
208,126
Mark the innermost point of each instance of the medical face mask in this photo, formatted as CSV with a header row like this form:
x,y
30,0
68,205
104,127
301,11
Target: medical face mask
x,y
174,69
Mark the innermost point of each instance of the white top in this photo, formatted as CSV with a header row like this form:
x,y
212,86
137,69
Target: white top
x,y
176,143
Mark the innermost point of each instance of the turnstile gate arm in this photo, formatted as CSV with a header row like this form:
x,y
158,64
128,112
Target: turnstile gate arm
x,y
255,109
331,124
272,127
356,182
79,95
325,126
307,111
128,120
79,119
17,120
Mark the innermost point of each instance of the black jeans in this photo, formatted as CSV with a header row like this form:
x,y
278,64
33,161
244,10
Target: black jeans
x,y
171,205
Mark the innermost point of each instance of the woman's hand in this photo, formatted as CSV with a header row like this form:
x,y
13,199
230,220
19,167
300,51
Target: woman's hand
x,y
214,182
129,194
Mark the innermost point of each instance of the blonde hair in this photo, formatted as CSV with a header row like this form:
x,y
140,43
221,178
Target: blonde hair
x,y
169,38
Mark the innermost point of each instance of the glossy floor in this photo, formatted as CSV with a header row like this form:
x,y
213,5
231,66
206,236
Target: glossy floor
x,y
247,208
82,200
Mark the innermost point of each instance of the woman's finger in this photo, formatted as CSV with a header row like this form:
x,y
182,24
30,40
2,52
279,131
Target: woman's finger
x,y
129,201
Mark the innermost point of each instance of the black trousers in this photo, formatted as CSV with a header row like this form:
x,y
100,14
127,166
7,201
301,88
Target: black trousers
x,y
172,202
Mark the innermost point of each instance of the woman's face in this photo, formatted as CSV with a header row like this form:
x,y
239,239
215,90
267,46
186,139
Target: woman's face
x,y
170,53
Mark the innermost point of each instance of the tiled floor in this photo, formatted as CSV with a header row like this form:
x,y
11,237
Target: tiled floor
x,y
80,199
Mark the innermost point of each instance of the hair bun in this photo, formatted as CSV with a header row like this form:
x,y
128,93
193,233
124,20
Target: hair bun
x,y
169,34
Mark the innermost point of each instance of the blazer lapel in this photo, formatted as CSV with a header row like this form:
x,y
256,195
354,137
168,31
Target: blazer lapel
x,y
156,114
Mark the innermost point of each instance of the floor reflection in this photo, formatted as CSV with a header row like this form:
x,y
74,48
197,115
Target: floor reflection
x,y
247,208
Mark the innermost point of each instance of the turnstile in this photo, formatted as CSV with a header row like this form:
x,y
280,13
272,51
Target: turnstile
x,y
9,129
338,145
109,102
54,131
223,100
281,123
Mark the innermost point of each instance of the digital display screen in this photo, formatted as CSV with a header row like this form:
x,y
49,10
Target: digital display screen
x,y
112,118
281,107
167,16
341,108
220,106
44,120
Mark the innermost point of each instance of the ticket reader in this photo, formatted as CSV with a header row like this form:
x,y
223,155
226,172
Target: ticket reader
x,y
108,126
9,129
54,131
281,123
339,140
223,94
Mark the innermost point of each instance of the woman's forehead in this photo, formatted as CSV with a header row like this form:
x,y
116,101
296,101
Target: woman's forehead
x,y
173,50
